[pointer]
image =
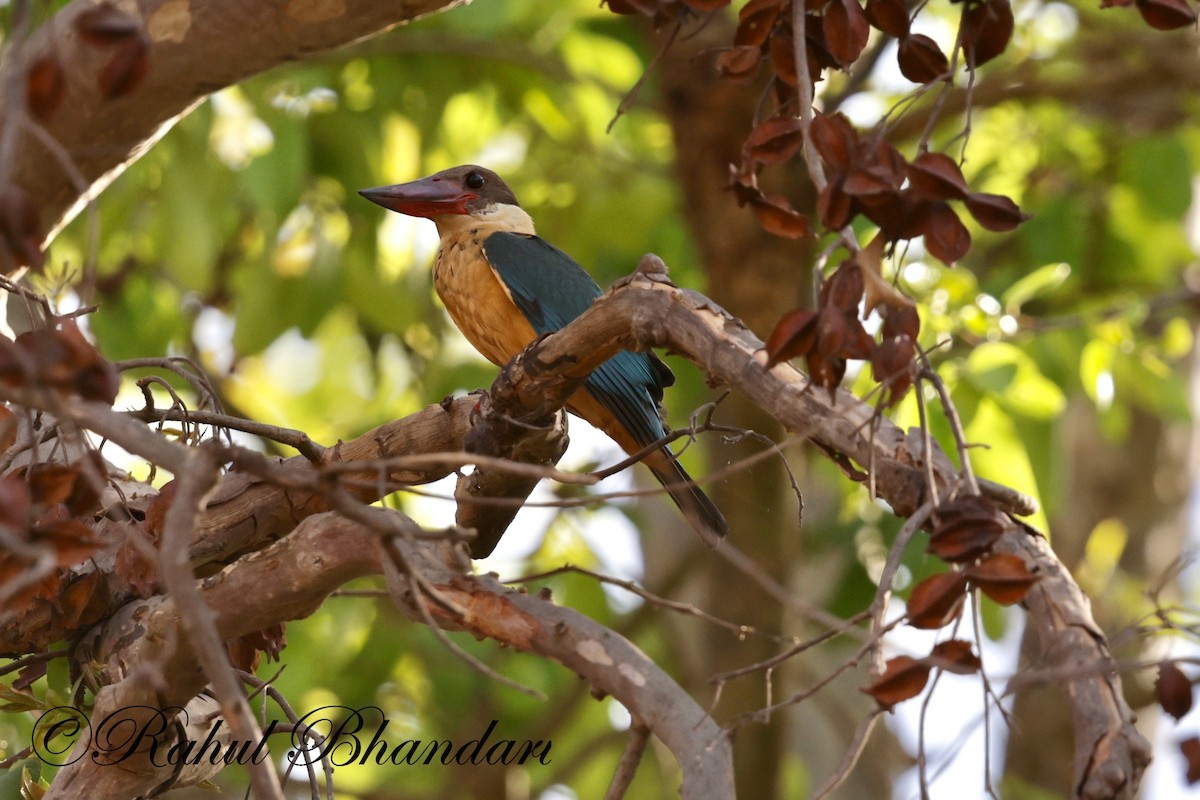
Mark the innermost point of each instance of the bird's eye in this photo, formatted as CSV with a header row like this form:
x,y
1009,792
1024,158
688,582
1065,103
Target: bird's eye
x,y
474,181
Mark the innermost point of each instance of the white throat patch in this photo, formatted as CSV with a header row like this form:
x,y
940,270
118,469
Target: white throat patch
x,y
497,217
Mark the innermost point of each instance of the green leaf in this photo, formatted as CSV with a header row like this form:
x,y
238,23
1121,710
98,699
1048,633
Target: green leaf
x,y
1095,371
1159,170
14,702
1010,377
1040,281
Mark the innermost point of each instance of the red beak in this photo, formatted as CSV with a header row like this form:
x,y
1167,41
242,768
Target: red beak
x,y
427,197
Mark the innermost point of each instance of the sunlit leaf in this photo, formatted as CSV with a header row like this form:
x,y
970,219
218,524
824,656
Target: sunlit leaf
x,y
1034,284
1009,375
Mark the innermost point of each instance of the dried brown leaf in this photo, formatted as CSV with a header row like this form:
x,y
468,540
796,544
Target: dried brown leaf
x,y
835,139
755,21
955,655
995,212
775,140
156,512
893,365
792,337
846,29
964,529
73,541
783,59
44,87
844,288
1173,690
903,679
739,64
986,29
1166,15
15,504
831,332
901,320
937,601
1003,577
778,217
936,176
76,600
1190,748
834,206
946,238
889,16
921,60
50,484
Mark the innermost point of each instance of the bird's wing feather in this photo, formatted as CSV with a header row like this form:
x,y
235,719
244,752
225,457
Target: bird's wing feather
x,y
551,290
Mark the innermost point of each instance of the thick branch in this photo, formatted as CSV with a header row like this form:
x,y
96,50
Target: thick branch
x,y
291,578
195,48
649,312
244,513
145,659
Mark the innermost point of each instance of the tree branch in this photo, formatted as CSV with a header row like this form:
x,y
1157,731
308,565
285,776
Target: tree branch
x,y
647,311
101,136
640,312
291,578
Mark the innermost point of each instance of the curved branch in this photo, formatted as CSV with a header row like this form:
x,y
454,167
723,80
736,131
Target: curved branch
x,y
291,578
192,50
648,311
644,311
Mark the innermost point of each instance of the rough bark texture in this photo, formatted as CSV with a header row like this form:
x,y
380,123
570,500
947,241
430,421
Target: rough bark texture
x,y
291,578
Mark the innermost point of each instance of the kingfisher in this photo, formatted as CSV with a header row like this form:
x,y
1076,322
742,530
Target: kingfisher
x,y
504,286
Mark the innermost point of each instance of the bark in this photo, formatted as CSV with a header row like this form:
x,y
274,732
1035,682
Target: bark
x,y
191,50
1110,755
288,580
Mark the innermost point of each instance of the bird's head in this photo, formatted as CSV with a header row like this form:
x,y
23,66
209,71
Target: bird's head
x,y
468,190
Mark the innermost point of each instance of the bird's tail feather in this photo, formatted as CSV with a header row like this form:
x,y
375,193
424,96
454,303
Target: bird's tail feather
x,y
703,515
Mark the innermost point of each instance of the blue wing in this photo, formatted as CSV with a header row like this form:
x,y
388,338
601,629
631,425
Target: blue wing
x,y
551,290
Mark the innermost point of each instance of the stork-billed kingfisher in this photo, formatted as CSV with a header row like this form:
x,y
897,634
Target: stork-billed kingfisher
x,y
504,287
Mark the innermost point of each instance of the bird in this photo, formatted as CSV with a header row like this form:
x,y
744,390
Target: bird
x,y
504,287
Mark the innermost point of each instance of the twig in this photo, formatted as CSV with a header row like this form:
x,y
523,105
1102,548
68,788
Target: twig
x,y
851,756
777,659
635,746
391,524
631,95
298,440
804,88
34,658
931,486
193,483
307,731
741,631
956,426
884,591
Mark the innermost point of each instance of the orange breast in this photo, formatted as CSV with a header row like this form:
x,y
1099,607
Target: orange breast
x,y
483,310
478,302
